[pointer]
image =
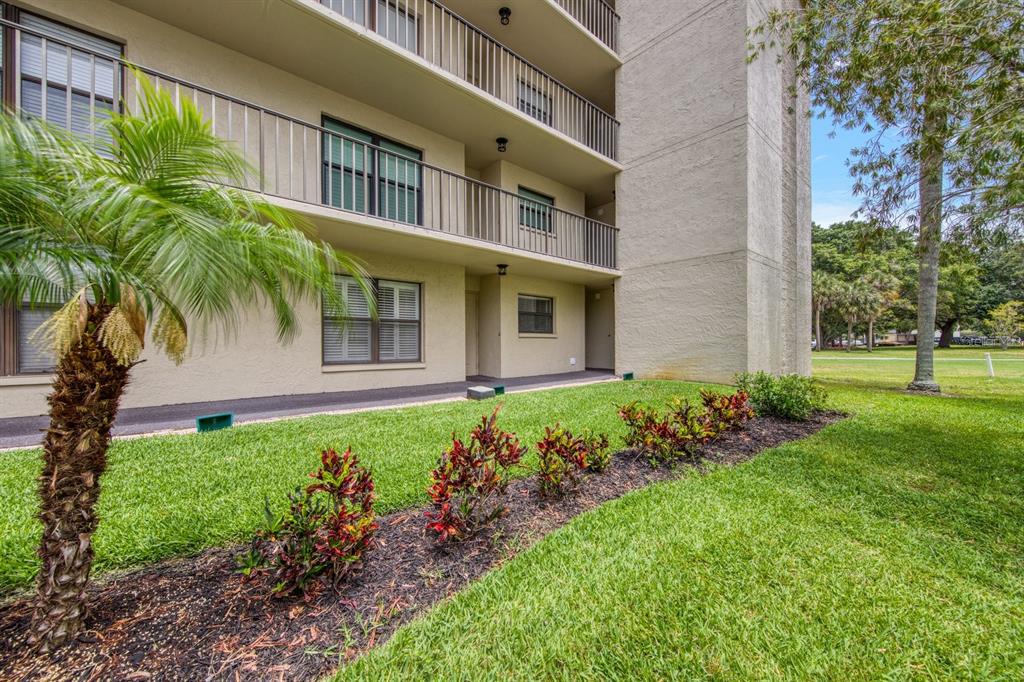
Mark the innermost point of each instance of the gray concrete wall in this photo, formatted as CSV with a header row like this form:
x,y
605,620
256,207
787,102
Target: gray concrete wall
x,y
713,203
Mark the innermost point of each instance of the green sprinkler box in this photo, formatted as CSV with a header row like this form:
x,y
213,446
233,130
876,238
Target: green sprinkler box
x,y
499,389
627,376
214,422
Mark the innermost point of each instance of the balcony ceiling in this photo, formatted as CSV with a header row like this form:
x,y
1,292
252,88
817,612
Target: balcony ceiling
x,y
305,39
543,33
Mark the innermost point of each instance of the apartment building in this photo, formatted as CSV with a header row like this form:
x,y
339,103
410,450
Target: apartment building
x,y
535,186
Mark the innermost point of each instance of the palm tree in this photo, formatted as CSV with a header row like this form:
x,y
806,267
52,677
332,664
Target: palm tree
x,y
851,301
145,231
878,293
824,293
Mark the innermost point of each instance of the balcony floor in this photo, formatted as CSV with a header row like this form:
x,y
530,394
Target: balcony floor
x,y
18,432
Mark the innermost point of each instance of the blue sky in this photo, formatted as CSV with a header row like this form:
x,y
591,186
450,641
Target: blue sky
x,y
832,197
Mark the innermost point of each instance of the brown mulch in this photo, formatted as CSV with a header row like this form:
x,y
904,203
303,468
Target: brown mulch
x,y
193,618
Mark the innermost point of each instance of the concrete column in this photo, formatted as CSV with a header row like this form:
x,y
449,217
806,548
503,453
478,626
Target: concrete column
x,y
714,201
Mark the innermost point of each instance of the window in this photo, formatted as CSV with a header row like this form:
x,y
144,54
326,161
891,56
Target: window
x,y
398,25
359,177
391,20
536,315
18,353
80,88
393,337
533,102
535,210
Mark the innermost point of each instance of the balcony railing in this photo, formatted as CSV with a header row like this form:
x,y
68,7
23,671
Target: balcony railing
x,y
598,17
447,41
301,161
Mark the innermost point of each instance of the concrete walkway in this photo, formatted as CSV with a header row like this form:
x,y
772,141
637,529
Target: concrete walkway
x,y
27,431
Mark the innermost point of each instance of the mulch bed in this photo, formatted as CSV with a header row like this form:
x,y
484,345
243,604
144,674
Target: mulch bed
x,y
193,618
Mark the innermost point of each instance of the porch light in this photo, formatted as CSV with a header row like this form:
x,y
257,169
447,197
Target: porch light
x,y
502,269
502,144
504,13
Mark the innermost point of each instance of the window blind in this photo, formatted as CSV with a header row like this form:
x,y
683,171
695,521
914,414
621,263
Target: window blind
x,y
536,315
80,88
33,358
350,339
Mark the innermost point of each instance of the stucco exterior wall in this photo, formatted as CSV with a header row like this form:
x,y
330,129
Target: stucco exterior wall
x,y
504,352
714,201
252,363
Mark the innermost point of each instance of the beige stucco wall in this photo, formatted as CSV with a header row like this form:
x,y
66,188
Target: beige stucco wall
x,y
252,363
714,202
504,352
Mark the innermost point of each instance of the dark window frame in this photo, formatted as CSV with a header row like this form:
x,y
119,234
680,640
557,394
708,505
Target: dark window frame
x,y
550,316
12,78
373,206
541,212
10,351
10,317
375,328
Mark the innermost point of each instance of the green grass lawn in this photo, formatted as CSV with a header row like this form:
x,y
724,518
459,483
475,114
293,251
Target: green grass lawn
x,y
889,546
172,495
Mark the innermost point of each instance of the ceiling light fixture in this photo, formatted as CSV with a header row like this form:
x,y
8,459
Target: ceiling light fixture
x,y
502,143
505,13
502,269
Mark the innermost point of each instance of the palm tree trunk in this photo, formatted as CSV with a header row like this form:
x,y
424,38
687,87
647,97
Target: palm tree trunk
x,y
928,245
871,334
849,336
817,328
83,403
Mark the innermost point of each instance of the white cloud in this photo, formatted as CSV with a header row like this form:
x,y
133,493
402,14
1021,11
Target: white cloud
x,y
820,157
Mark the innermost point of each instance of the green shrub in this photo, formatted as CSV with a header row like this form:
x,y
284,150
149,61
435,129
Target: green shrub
x,y
789,396
562,457
324,534
465,487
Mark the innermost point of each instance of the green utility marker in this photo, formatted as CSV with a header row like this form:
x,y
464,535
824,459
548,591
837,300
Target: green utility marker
x,y
499,390
627,376
214,422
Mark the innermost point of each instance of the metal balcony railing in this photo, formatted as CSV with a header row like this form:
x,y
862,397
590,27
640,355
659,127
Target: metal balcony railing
x,y
598,17
301,161
449,42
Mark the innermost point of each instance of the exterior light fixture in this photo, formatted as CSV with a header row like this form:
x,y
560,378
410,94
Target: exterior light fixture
x,y
502,143
504,13
502,269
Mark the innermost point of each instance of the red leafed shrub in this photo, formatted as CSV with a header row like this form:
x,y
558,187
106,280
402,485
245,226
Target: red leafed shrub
x,y
563,456
725,412
682,429
469,477
323,535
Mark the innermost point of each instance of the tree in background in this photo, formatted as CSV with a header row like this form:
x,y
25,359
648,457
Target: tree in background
x,y
878,293
1001,262
1006,321
136,236
824,295
959,288
851,303
877,264
943,78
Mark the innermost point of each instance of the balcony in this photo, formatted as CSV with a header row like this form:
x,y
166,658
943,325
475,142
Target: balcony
x,y
598,17
308,164
446,40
